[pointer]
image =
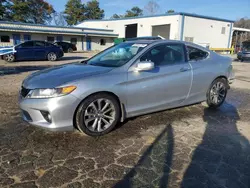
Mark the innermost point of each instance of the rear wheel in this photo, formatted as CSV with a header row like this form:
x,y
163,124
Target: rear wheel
x,y
98,114
70,50
52,56
217,93
9,57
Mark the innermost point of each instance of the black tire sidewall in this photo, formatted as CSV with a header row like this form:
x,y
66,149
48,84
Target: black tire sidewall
x,y
81,109
209,101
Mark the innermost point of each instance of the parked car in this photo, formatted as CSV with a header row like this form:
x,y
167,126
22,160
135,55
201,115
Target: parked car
x,y
126,80
66,46
34,50
244,53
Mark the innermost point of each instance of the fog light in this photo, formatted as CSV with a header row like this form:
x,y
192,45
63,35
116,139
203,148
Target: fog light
x,y
46,116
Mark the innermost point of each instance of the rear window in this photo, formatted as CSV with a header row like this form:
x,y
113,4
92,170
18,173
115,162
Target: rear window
x,y
196,54
246,46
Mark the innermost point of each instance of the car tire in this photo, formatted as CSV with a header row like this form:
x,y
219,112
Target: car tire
x,y
98,114
9,58
70,50
217,93
52,56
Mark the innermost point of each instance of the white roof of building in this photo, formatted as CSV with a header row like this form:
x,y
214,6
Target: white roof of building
x,y
36,28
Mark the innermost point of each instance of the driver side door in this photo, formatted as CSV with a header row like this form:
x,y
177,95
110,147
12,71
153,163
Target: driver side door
x,y
165,86
25,51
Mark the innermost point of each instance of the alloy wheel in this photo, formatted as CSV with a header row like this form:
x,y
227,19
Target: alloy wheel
x,y
218,93
52,56
99,115
9,57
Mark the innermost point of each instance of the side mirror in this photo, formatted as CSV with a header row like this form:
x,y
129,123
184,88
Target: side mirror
x,y
83,62
144,65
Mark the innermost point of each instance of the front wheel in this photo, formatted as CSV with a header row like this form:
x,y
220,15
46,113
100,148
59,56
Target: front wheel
x,y
52,56
217,93
98,114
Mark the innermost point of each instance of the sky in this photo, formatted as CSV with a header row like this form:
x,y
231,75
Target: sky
x,y
227,9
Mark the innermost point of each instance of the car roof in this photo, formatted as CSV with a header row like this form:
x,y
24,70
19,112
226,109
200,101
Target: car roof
x,y
159,41
144,38
35,41
144,41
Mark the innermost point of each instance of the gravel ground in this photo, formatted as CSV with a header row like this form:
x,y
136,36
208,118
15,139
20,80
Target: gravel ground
x,y
186,147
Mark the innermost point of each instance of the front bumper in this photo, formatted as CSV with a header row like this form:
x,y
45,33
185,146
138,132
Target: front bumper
x,y
243,56
61,110
61,54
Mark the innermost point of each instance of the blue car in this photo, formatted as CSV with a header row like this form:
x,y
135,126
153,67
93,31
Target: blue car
x,y
34,50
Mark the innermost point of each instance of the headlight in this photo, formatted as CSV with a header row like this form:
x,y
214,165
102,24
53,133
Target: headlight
x,y
48,93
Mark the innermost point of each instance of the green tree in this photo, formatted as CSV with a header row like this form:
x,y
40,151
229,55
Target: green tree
x,y
74,12
135,11
5,10
40,11
31,11
115,16
93,10
170,11
19,10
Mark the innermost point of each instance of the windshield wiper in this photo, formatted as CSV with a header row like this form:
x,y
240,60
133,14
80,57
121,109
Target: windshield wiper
x,y
102,65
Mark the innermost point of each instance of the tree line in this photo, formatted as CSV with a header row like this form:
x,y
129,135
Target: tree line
x,y
41,12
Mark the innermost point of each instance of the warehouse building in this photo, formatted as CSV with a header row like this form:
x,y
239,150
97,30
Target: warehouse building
x,y
84,38
203,30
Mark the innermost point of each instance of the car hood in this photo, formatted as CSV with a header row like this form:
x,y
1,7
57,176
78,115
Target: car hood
x,y
59,75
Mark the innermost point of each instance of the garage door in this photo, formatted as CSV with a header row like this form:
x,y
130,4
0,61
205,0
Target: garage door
x,y
131,31
162,30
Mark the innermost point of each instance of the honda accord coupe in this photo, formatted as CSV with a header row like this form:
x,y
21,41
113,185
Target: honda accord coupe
x,y
126,80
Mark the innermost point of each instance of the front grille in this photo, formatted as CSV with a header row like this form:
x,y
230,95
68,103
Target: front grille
x,y
24,91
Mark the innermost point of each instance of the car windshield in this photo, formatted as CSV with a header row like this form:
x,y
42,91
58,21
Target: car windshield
x,y
246,46
117,56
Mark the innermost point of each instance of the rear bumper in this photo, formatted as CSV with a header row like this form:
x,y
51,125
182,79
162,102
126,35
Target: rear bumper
x,y
243,55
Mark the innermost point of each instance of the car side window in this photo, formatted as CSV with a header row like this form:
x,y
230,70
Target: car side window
x,y
39,44
196,54
165,54
48,44
28,44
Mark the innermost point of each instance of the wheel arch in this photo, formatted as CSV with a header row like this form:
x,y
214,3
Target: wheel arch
x,y
121,105
224,77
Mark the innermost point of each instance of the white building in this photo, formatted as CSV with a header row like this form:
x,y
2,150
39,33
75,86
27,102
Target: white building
x,y
12,33
204,30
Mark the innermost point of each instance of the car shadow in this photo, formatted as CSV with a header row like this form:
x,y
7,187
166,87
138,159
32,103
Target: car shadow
x,y
222,159
158,157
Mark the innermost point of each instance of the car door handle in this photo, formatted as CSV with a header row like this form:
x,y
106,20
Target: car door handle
x,y
184,69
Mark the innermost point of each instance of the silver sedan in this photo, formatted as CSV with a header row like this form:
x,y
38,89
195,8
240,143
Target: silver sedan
x,y
126,80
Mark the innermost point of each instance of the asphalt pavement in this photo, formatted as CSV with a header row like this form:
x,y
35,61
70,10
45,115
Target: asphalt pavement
x,y
192,147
